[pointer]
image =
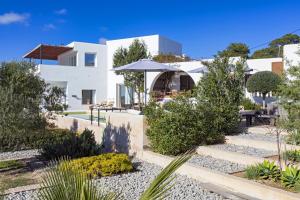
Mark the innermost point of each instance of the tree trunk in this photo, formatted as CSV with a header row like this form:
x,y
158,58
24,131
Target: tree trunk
x,y
278,148
264,101
139,100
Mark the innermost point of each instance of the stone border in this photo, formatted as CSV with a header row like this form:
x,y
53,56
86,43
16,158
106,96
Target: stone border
x,y
271,146
22,189
238,186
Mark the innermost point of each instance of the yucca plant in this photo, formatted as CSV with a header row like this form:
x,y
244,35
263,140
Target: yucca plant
x,y
160,186
268,170
290,178
61,183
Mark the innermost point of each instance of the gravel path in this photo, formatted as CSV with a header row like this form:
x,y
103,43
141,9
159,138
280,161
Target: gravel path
x,y
19,154
26,195
216,164
133,184
244,150
257,136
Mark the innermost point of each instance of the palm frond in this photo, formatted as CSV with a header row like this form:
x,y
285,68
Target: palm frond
x,y
163,182
61,183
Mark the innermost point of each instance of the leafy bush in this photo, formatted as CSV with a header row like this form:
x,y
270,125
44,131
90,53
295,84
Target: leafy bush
x,y
24,101
290,177
249,105
268,170
265,170
292,155
65,143
27,140
251,172
11,164
102,165
293,137
181,127
220,92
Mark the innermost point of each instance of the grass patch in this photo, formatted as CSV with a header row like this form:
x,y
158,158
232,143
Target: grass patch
x,y
7,182
75,113
292,155
11,164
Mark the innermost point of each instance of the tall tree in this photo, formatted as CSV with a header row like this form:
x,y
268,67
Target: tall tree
x,y
236,50
275,47
136,51
220,92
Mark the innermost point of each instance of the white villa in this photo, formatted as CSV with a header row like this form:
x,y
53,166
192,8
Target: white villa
x,y
84,70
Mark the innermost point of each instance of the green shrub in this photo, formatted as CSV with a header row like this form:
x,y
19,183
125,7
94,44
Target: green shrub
x,y
249,105
220,92
11,164
180,128
65,143
102,165
251,172
290,177
268,170
265,170
292,155
24,141
293,138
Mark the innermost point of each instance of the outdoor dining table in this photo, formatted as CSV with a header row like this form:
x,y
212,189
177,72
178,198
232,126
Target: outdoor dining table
x,y
249,116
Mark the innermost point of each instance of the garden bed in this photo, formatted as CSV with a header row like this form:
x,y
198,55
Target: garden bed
x,y
20,173
277,184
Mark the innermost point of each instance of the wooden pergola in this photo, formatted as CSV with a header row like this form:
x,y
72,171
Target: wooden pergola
x,y
47,52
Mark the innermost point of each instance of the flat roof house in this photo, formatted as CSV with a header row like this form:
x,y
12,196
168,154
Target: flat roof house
x,y
83,70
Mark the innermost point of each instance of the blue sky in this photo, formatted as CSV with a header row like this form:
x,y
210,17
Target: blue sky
x,y
202,26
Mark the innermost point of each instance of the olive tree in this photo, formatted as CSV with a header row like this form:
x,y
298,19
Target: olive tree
x,y
24,98
136,51
263,82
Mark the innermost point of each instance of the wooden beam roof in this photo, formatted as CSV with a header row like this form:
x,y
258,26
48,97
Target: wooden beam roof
x,y
47,52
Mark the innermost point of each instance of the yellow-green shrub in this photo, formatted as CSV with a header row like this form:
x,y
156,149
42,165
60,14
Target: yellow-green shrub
x,y
102,165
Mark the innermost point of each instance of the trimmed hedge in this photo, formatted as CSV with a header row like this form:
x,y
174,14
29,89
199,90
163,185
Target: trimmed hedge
x,y
102,165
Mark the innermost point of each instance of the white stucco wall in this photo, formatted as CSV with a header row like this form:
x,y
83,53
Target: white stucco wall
x,y
291,55
80,77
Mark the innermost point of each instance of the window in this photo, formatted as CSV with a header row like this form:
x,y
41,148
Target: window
x,y
88,97
72,60
90,59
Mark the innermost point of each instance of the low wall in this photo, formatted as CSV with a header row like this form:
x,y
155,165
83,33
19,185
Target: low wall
x,y
79,125
122,132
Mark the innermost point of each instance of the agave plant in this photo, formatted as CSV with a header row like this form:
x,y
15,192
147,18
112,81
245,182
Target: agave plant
x,y
290,178
61,183
268,170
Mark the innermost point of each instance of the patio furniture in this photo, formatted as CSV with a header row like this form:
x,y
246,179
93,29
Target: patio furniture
x,y
145,65
248,114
